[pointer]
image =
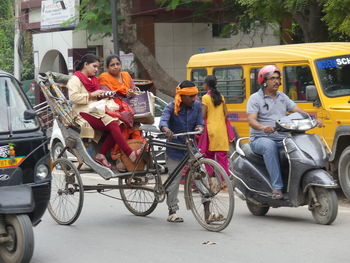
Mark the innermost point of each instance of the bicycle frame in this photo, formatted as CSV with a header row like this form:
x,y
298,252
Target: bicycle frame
x,y
190,156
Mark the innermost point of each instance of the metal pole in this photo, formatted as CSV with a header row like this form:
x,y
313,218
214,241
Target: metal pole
x,y
16,58
115,26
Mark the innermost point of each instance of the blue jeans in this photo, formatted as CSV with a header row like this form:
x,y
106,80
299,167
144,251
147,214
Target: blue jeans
x,y
269,149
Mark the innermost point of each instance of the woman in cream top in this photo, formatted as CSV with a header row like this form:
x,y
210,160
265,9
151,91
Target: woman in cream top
x,y
84,89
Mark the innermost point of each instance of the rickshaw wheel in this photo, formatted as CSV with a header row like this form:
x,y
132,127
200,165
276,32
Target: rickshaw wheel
x,y
138,201
21,247
67,192
209,194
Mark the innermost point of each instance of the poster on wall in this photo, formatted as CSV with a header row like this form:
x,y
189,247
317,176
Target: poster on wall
x,y
56,12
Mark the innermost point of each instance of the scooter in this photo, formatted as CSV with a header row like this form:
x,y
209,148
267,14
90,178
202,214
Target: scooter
x,y
303,162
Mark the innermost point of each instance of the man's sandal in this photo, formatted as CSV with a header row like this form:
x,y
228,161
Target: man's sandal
x,y
173,218
213,217
277,194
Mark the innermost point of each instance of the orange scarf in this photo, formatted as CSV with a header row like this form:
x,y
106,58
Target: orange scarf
x,y
188,91
106,79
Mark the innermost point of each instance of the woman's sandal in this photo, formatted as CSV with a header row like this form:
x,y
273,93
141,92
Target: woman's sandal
x,y
134,155
174,218
120,166
103,161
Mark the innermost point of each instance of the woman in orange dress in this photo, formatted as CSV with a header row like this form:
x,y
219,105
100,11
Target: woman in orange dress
x,y
121,82
115,79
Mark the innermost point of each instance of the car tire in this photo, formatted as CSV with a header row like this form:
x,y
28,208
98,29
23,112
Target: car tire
x,y
56,150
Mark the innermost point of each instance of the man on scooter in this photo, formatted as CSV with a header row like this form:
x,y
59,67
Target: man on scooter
x,y
264,108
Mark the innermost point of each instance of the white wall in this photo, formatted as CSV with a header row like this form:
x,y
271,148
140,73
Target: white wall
x,y
45,42
34,15
175,43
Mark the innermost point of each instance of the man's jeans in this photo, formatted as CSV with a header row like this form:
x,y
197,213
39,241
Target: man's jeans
x,y
269,149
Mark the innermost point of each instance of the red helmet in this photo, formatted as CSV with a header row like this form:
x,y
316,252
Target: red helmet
x,y
267,71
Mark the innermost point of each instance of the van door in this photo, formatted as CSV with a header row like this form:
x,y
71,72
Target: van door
x,y
296,80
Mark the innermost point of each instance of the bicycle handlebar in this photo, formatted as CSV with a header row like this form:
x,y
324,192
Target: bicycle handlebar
x,y
186,133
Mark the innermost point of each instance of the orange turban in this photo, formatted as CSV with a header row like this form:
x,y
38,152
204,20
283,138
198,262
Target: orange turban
x,y
188,91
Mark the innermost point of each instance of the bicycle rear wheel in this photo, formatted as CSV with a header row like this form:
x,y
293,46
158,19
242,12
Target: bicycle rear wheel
x,y
67,192
209,194
140,202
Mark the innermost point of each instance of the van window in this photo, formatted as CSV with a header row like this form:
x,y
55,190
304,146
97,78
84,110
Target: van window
x,y
334,74
254,85
197,77
12,107
231,83
296,78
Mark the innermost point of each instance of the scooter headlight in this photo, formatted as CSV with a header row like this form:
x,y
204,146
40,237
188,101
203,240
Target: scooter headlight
x,y
297,124
42,171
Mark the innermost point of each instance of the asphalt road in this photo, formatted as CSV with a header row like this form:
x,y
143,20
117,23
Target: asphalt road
x,y
107,232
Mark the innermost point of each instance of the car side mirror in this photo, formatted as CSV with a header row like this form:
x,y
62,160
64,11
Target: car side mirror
x,y
312,95
29,114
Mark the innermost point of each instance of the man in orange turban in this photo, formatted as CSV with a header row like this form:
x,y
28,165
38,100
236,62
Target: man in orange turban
x,y
182,115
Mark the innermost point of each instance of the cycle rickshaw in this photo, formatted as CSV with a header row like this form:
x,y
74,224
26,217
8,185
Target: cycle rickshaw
x,y
140,190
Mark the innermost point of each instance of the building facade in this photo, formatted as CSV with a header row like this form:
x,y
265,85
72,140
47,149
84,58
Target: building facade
x,y
171,36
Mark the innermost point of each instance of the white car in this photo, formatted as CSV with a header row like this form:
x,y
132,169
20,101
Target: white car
x,y
57,142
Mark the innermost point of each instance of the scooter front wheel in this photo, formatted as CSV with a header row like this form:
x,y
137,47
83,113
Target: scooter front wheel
x,y
326,209
20,247
257,210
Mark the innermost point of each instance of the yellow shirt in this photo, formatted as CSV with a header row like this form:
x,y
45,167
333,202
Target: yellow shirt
x,y
216,125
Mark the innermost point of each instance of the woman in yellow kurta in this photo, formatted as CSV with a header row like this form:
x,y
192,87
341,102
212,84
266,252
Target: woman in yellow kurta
x,y
214,113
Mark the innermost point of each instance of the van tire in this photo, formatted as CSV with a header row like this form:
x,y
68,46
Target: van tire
x,y
344,172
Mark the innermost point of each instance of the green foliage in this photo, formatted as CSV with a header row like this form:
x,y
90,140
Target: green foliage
x,y
95,17
6,36
28,60
337,16
5,10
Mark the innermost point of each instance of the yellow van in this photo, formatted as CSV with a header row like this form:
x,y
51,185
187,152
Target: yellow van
x,y
315,75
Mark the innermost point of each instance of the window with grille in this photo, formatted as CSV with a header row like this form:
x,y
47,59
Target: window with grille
x,y
230,83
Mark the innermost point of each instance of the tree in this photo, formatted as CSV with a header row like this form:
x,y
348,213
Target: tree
x,y
337,16
95,16
6,35
28,59
318,20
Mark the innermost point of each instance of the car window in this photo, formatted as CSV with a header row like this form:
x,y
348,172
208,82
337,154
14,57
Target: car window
x,y
230,83
159,106
12,106
296,79
197,77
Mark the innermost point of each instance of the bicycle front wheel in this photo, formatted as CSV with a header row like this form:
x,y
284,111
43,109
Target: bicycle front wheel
x,y
67,192
209,194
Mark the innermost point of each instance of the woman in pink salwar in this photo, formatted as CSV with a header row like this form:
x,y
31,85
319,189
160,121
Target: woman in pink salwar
x,y
214,113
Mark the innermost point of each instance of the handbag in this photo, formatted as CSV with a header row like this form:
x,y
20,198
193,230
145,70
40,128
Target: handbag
x,y
124,112
143,105
98,107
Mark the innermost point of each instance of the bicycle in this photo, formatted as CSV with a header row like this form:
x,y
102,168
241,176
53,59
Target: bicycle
x,y
208,190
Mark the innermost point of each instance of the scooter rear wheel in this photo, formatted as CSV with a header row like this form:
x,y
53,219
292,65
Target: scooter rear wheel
x,y
257,210
327,210
20,249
